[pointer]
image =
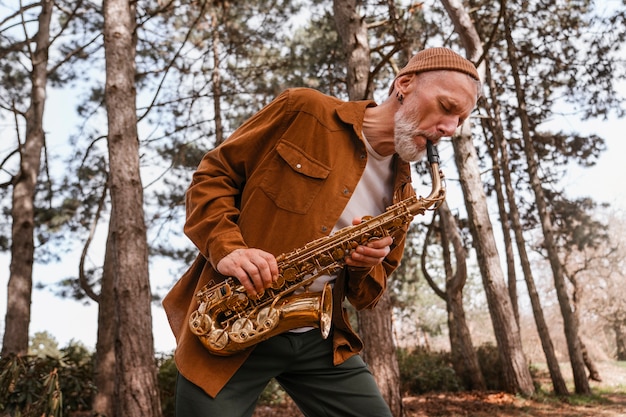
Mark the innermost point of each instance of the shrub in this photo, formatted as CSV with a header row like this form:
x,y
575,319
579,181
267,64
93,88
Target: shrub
x,y
35,386
167,383
273,394
424,371
491,366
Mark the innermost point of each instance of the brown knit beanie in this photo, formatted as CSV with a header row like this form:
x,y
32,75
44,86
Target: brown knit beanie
x,y
434,59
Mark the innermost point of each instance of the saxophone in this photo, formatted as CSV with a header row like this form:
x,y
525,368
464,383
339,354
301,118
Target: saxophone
x,y
228,321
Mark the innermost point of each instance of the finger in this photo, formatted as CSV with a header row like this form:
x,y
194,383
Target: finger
x,y
268,268
361,259
262,269
249,267
369,255
380,243
254,274
362,262
247,275
255,269
374,249
247,283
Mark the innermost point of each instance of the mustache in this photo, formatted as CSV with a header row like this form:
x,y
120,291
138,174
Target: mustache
x,y
433,137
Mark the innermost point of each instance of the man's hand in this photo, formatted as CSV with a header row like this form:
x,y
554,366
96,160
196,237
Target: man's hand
x,y
371,254
255,269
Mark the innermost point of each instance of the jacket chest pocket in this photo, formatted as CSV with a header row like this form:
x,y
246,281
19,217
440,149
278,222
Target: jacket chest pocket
x,y
293,178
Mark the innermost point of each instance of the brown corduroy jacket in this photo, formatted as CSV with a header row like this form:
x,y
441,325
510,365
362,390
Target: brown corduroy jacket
x,y
280,181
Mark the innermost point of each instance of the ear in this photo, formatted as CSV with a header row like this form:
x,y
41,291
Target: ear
x,y
404,83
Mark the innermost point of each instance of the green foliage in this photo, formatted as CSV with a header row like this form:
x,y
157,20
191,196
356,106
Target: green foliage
x,y
314,57
491,366
592,400
422,370
167,384
273,394
43,344
577,224
36,386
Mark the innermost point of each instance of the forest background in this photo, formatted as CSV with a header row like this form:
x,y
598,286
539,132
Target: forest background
x,y
203,67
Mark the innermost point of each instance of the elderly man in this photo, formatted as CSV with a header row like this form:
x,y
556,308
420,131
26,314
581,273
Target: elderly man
x,y
304,166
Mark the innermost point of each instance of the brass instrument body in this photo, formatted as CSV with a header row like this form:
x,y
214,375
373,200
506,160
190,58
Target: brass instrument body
x,y
226,327
227,321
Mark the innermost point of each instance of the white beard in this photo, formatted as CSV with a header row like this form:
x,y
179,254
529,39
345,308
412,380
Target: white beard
x,y
405,146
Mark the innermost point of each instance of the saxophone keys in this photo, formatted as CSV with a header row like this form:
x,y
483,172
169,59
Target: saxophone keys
x,y
200,323
307,268
339,254
242,329
268,318
238,301
325,260
278,284
218,339
289,274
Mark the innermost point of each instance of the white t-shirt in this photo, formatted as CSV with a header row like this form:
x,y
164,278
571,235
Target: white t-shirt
x,y
372,195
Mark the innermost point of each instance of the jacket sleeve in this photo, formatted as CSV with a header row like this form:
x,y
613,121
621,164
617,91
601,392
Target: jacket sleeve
x,y
213,198
365,286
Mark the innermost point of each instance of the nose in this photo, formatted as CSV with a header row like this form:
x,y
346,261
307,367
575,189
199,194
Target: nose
x,y
448,125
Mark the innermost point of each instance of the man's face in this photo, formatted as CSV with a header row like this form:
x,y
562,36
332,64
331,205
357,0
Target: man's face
x,y
437,103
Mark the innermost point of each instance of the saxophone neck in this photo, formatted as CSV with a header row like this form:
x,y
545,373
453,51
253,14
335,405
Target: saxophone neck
x,y
438,191
431,153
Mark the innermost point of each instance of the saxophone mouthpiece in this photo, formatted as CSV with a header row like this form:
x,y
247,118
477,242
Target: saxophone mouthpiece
x,y
432,153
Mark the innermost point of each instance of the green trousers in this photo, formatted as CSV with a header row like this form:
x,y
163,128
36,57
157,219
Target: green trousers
x,y
302,364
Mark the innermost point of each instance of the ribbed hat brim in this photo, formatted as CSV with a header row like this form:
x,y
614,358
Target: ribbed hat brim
x,y
434,59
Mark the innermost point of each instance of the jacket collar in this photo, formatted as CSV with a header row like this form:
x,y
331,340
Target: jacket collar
x,y
353,112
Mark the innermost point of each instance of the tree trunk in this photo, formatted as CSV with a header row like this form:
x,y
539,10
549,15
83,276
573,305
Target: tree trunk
x,y
353,34
619,327
136,377
516,373
505,217
20,286
570,320
465,360
500,146
594,374
217,82
375,326
104,400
